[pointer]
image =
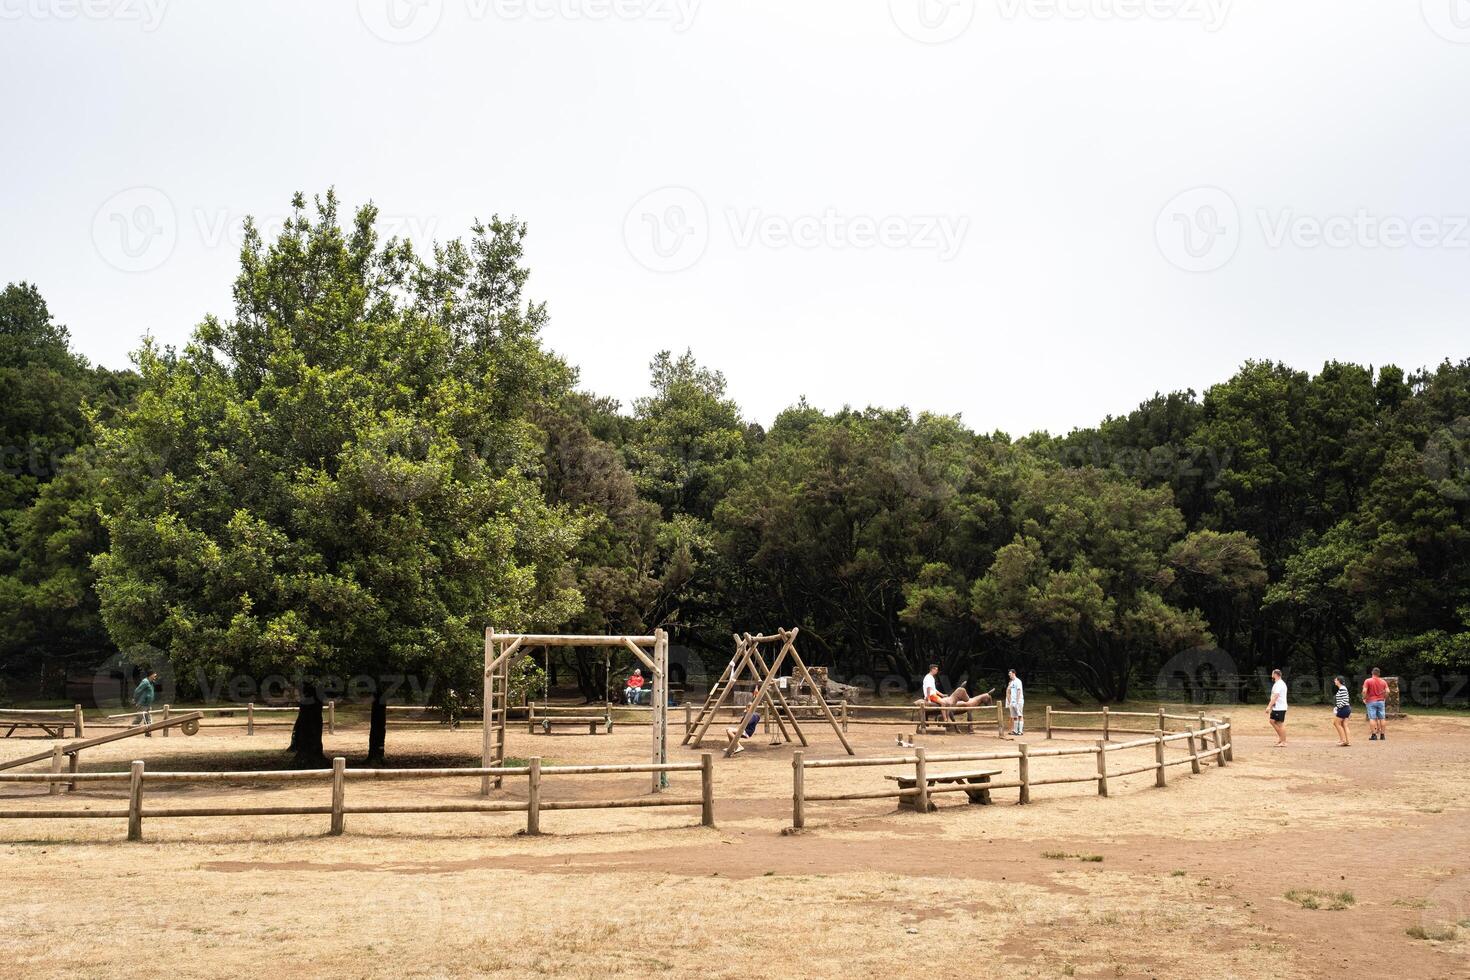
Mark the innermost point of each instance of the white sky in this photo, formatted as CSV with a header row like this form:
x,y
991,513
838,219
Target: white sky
x,y
1048,136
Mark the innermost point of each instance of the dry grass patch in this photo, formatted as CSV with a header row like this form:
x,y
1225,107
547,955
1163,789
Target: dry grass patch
x,y
1311,898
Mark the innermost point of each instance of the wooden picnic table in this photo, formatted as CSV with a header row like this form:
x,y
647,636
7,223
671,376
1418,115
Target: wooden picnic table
x,y
977,778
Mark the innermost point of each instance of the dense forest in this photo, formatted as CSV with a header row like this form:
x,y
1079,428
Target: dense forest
x,y
375,456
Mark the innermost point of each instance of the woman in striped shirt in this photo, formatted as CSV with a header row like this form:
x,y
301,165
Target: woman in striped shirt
x,y
1342,711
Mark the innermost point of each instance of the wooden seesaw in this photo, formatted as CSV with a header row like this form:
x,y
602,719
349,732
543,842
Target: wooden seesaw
x,y
187,723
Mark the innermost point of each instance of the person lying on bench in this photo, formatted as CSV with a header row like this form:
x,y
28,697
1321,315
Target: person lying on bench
x,y
735,735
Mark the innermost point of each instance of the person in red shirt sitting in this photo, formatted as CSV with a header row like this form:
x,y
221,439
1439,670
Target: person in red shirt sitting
x,y
634,690
1375,696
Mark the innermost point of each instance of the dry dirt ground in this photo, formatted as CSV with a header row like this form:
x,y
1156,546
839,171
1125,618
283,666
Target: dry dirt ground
x,y
1186,881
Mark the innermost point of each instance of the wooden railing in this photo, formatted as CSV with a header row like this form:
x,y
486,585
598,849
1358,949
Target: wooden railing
x,y
249,710
1199,750
339,775
1107,727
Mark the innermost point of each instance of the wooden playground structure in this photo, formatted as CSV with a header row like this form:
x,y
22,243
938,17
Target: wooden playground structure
x,y
749,666
503,649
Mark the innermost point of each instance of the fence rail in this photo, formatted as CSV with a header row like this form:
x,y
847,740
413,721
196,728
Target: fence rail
x,y
917,796
339,775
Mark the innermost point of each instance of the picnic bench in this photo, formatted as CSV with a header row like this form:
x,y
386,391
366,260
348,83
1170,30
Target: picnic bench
x,y
47,721
976,783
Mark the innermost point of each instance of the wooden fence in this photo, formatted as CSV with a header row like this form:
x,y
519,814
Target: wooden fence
x,y
248,710
47,719
339,775
1199,751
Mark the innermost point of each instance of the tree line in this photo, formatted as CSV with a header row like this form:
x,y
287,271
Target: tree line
x,y
375,456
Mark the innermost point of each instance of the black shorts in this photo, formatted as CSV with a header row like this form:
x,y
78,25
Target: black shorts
x,y
1344,712
1278,716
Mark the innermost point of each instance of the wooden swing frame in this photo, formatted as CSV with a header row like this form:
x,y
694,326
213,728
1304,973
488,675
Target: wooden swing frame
x,y
502,650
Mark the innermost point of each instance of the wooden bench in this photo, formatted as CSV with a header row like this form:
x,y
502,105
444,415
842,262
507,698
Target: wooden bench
x,y
978,778
546,721
53,729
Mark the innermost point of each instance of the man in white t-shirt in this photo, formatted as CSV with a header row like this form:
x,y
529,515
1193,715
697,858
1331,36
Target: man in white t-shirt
x,y
1016,704
1276,708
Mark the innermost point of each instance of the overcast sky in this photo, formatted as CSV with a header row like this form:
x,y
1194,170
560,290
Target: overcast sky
x,y
1030,212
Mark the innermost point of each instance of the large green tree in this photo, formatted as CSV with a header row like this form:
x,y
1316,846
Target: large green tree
x,y
333,482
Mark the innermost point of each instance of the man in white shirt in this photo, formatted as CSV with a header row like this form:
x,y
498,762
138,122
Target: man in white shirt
x,y
1016,704
1276,708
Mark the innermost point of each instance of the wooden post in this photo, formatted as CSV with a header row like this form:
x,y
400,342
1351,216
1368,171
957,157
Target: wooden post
x,y
487,712
72,767
1193,753
332,717
54,787
707,789
1229,754
1025,774
688,718
1048,722
921,780
76,719
250,718
1163,724
1159,779
1102,768
339,793
798,792
533,799
165,718
135,802
844,714
1000,719
1106,736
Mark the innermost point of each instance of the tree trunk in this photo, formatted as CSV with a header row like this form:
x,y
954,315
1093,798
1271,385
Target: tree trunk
x,y
378,728
306,734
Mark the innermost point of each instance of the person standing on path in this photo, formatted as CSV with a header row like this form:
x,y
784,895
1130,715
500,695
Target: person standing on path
x,y
143,697
1342,711
1016,704
1375,696
1276,708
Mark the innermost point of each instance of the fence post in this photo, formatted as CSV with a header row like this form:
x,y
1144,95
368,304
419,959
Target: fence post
x,y
707,788
688,717
54,787
1106,736
332,717
1000,719
1159,779
135,802
74,764
165,718
798,792
76,719
1193,753
339,793
1025,774
921,780
533,799
1102,768
250,718
844,714
1229,755
1048,722
1163,723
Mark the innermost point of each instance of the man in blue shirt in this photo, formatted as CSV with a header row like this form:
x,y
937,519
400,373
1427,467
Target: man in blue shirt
x,y
143,696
